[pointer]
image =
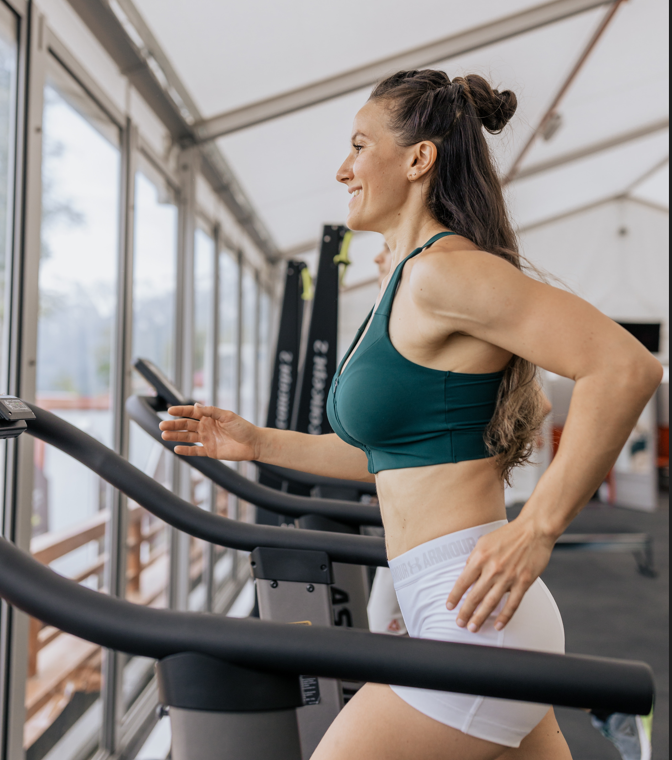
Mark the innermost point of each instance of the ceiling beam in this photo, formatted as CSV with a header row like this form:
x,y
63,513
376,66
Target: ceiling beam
x,y
365,76
648,174
597,147
569,214
552,110
648,204
309,246
166,96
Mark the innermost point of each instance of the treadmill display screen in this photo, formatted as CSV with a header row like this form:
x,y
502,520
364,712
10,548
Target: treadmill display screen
x,y
12,408
163,386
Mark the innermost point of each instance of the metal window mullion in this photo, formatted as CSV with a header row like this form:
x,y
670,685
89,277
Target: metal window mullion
x,y
116,533
257,345
23,359
239,333
239,373
11,339
20,7
209,550
184,336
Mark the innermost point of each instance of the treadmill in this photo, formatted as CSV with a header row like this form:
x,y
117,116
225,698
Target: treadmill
x,y
232,687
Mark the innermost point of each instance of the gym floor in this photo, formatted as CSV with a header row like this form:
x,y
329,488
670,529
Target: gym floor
x,y
611,610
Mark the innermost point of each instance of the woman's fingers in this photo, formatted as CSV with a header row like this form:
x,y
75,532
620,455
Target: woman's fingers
x,y
182,424
197,412
184,411
468,577
512,604
190,451
474,600
471,573
484,609
181,435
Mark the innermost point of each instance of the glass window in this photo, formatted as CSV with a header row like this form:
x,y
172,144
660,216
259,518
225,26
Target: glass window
x,y
8,58
154,301
75,366
202,391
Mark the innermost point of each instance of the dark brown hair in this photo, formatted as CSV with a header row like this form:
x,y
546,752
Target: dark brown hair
x,y
465,195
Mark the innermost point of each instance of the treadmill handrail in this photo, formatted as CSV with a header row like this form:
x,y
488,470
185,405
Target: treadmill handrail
x,y
48,427
565,680
141,411
307,479
170,395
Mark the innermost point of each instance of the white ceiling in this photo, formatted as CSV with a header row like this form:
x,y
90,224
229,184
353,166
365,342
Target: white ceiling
x,y
229,55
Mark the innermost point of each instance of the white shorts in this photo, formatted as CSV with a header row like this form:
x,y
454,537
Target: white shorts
x,y
423,578
383,607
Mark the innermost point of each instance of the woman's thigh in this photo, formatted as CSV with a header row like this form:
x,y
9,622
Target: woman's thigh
x,y
378,725
545,742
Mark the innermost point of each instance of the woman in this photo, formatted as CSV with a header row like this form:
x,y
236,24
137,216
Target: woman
x,y
437,399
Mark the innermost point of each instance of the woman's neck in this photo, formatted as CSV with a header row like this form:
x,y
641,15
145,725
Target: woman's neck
x,y
410,233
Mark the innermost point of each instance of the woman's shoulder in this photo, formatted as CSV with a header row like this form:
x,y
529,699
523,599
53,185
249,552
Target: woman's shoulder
x,y
451,272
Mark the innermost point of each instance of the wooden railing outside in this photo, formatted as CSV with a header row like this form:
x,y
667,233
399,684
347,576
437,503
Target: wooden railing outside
x,y
59,664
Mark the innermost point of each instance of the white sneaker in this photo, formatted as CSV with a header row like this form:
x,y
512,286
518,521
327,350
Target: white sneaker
x,y
631,734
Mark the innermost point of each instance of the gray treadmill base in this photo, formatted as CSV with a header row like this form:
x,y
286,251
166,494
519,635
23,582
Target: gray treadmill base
x,y
199,735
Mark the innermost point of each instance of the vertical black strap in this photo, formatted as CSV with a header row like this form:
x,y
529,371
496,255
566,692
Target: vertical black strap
x,y
319,365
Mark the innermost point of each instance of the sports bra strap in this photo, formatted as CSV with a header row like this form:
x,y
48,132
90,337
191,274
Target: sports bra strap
x,y
431,241
391,289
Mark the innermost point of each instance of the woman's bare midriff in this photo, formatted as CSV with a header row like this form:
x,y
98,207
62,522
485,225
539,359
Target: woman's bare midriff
x,y
422,503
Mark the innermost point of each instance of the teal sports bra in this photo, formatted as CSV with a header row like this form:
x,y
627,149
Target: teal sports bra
x,y
402,414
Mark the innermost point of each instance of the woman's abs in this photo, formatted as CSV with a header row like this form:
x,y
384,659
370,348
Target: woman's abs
x,y
422,503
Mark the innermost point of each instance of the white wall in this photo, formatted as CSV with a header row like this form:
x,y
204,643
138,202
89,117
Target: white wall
x,y
616,256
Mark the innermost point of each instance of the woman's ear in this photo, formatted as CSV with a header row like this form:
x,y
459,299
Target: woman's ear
x,y
423,159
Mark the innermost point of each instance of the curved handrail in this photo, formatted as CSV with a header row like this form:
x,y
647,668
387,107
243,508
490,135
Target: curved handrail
x,y
566,680
357,550
170,395
141,410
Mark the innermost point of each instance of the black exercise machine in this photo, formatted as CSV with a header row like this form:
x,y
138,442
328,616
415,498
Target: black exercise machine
x,y
294,570
231,686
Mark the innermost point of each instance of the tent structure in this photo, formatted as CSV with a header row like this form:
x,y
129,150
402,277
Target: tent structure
x,y
585,161
274,88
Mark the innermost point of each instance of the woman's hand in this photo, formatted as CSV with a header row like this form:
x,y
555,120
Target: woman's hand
x,y
508,560
222,434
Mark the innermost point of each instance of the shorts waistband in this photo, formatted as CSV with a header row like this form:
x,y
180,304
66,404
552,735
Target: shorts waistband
x,y
446,551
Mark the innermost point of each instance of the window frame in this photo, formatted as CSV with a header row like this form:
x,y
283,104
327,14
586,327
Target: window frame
x,y
38,45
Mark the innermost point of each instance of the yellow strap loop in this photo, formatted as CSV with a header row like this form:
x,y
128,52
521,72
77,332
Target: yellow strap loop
x,y
308,291
342,256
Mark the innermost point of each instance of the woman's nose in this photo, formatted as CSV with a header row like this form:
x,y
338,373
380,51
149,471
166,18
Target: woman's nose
x,y
344,174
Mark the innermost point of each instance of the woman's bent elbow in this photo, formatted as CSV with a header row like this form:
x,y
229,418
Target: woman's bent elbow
x,y
645,375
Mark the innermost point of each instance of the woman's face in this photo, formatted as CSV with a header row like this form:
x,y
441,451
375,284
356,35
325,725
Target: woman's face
x,y
375,171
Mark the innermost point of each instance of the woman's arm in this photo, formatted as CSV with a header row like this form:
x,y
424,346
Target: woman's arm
x,y
317,454
224,435
615,377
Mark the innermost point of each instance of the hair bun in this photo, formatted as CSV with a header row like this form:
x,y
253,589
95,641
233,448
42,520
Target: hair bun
x,y
495,109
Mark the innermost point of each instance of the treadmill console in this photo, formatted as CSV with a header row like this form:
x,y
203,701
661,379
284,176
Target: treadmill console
x,y
13,416
162,385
